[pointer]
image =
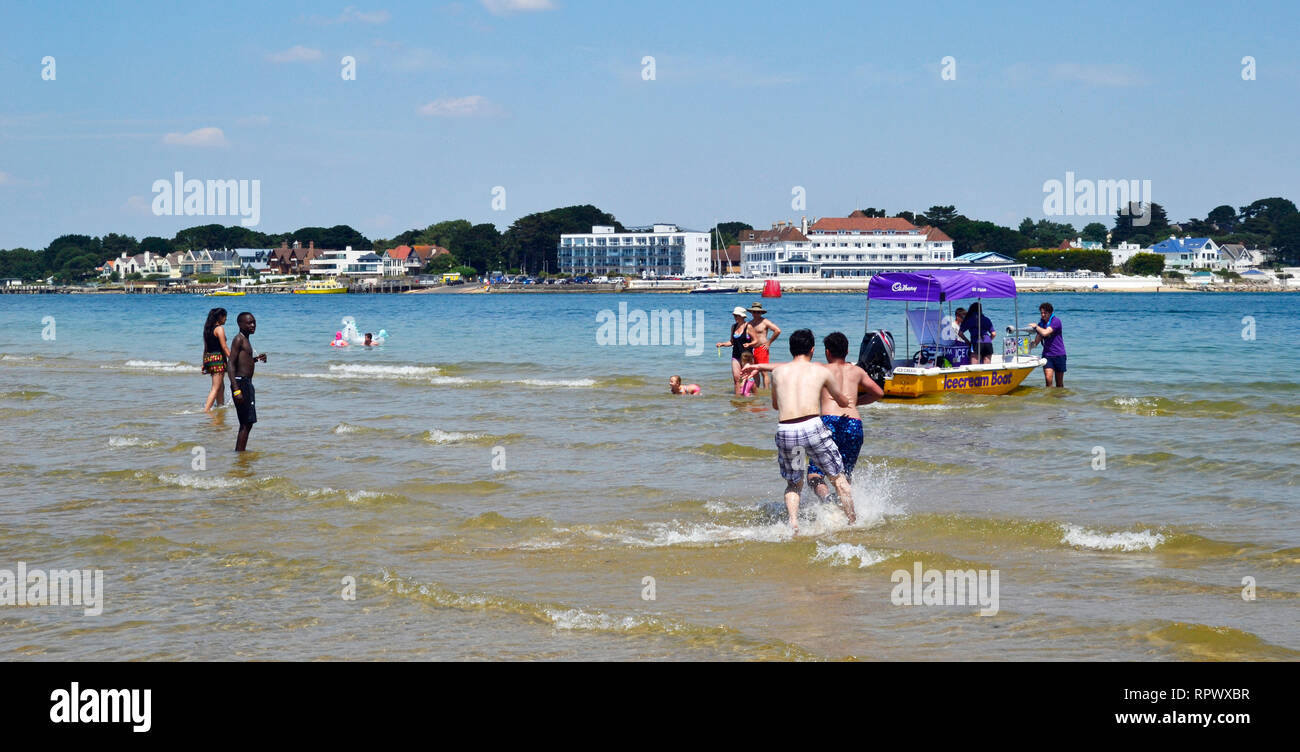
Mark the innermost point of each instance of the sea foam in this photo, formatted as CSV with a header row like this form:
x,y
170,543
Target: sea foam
x,y
1126,540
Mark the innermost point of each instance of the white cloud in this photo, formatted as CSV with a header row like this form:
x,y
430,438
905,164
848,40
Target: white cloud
x,y
506,7
295,54
1090,74
459,107
1098,74
5,177
138,205
197,137
351,14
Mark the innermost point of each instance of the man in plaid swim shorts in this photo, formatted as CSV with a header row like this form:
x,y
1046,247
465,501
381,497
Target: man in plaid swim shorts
x,y
796,396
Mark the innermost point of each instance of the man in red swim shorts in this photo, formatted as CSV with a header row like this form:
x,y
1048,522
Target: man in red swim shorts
x,y
765,333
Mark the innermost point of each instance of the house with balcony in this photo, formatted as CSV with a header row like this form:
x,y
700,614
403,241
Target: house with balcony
x,y
347,263
402,261
1189,253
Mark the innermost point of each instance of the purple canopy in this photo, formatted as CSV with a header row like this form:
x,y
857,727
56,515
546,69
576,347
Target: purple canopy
x,y
937,285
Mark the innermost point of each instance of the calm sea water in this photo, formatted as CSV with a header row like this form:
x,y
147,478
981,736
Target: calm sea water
x,y
500,486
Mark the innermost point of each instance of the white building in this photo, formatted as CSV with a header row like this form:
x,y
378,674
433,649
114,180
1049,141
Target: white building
x,y
1120,254
846,247
1189,253
347,263
662,250
1238,258
142,263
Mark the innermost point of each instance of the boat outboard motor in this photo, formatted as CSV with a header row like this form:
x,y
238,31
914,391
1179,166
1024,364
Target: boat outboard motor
x,y
876,356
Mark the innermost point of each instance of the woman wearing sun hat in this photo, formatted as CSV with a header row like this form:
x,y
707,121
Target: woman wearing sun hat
x,y
741,340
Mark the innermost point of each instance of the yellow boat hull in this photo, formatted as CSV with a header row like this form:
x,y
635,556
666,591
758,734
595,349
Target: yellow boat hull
x,y
993,379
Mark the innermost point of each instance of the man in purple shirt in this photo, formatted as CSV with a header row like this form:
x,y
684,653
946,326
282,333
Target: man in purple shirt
x,y
1049,333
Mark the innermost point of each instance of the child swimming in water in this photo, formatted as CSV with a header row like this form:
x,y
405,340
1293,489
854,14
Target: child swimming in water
x,y
675,386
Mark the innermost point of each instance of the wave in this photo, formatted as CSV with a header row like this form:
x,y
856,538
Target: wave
x,y
382,371
199,482
571,618
1215,643
451,380
118,442
1189,408
567,384
24,395
730,451
438,436
358,496
1126,540
158,366
496,521
843,554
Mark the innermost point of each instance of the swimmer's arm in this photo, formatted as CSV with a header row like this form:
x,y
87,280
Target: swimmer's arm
x,y
231,366
775,405
832,387
752,368
868,390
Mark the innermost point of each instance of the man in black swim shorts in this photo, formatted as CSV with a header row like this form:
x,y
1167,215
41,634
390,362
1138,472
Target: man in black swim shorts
x,y
242,363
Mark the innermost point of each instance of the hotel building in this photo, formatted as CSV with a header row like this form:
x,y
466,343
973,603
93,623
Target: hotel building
x,y
848,247
658,251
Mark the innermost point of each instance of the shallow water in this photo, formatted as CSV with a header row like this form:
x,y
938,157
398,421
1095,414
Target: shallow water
x,y
499,485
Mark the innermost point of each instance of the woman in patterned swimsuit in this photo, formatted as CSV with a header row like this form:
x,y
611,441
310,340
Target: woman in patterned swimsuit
x,y
215,356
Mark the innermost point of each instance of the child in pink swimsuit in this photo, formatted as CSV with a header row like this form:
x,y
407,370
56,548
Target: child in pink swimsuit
x,y
675,386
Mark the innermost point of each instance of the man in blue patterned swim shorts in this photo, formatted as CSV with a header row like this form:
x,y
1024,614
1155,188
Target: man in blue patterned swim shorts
x,y
845,423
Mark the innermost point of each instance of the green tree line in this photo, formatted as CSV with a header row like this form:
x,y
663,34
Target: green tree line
x,y
531,241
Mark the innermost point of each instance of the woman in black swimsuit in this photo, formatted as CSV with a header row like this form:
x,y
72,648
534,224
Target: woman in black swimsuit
x,y
215,356
741,340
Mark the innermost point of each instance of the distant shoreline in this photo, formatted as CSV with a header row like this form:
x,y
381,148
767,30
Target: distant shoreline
x,y
792,288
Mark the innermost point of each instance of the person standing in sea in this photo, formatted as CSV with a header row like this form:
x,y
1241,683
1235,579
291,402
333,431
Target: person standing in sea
x,y
242,364
765,332
215,356
1049,334
740,340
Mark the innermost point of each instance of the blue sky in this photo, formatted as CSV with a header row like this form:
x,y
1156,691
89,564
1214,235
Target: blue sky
x,y
547,100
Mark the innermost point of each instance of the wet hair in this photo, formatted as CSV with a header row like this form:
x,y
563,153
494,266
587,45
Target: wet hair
x,y
674,379
1048,306
976,310
245,316
747,357
801,342
837,345
214,317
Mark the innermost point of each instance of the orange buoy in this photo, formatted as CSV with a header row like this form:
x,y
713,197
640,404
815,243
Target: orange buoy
x,y
771,289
